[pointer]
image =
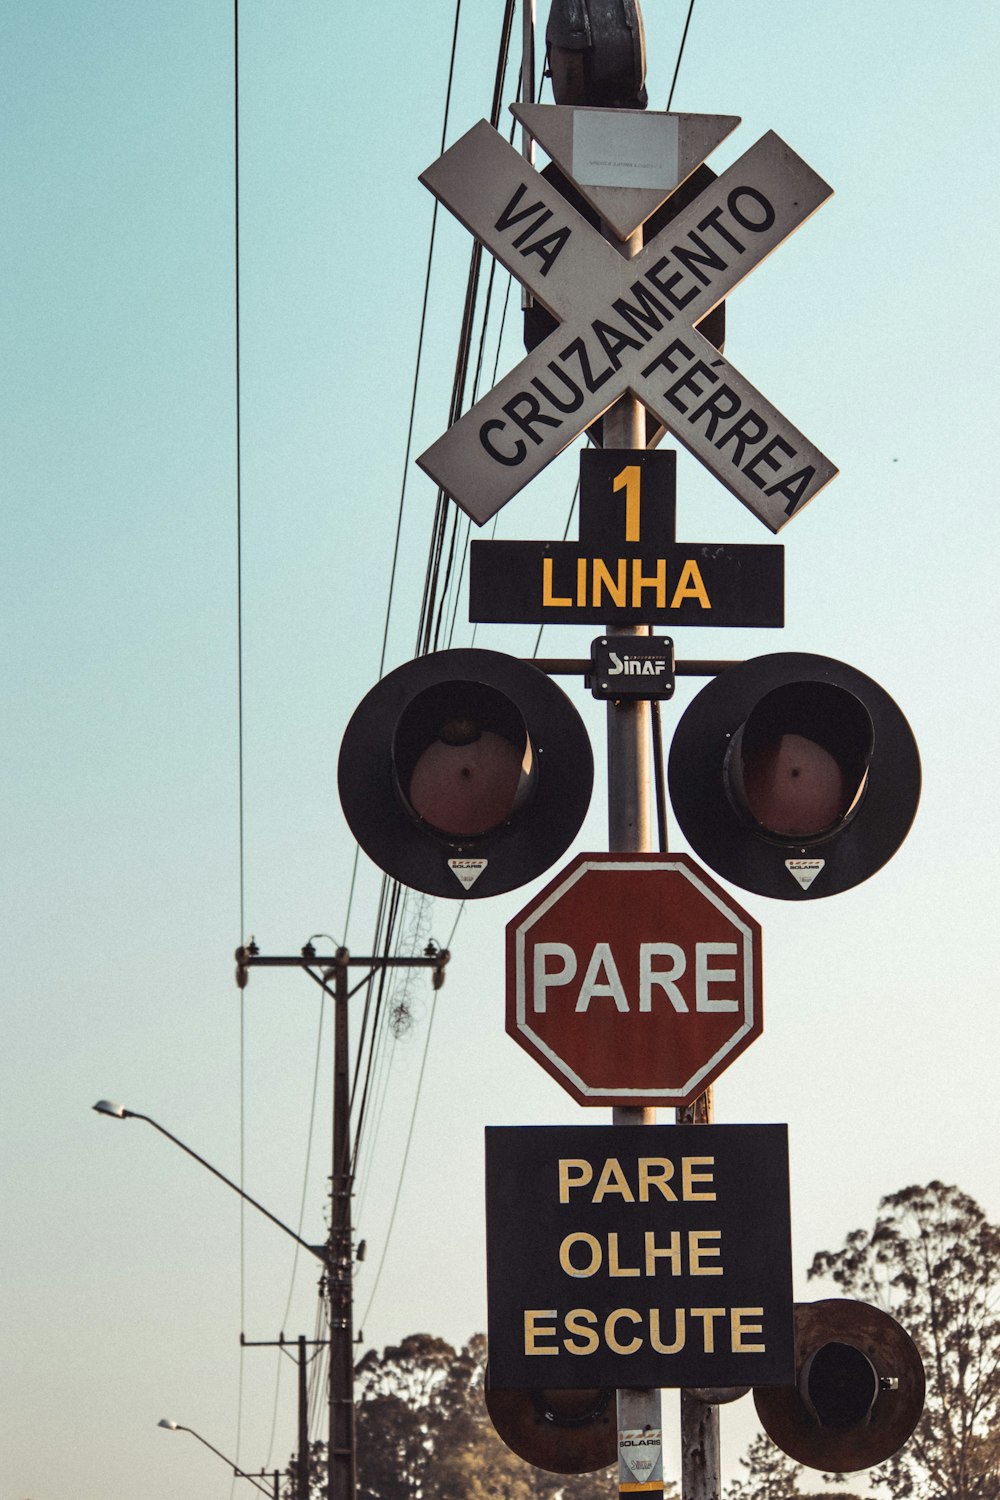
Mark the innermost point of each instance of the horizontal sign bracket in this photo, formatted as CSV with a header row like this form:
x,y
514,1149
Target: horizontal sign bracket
x,y
571,666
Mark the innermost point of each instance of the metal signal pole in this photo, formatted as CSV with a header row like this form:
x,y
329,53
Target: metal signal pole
x,y
629,735
630,830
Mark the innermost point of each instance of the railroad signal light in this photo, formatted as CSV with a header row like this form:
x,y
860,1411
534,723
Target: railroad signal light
x,y
859,1388
794,775
465,773
566,1432
596,53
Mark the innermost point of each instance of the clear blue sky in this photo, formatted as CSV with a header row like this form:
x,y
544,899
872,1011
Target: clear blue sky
x,y
123,1294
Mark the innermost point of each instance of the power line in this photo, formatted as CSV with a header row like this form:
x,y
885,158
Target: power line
x,y
428,638
680,54
239,696
402,1169
420,348
393,904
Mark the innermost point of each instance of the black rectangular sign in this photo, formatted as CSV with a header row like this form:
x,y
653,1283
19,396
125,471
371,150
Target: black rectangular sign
x,y
681,583
632,666
627,568
641,1256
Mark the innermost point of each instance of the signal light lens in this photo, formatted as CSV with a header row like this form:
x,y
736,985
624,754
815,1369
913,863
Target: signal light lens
x,y
840,1385
463,758
794,786
798,765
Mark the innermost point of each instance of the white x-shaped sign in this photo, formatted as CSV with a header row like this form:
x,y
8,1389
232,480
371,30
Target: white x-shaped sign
x,y
626,325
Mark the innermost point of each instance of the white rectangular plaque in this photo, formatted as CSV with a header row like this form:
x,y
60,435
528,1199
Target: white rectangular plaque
x,y
625,150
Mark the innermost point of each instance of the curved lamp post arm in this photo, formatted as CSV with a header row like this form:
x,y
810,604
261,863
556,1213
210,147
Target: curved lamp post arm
x,y
240,1473
119,1112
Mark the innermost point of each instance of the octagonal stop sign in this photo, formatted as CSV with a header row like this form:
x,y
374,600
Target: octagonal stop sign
x,y
634,979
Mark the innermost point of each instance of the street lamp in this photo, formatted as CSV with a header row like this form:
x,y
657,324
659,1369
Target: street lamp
x,y
172,1426
119,1112
322,1252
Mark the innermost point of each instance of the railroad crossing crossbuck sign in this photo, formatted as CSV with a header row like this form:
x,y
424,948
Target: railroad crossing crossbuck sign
x,y
626,325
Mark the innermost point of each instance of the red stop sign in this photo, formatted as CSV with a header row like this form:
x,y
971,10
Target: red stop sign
x,y
634,979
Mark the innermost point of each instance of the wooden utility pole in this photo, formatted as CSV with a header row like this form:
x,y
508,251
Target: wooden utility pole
x,y
342,1454
338,1255
302,1485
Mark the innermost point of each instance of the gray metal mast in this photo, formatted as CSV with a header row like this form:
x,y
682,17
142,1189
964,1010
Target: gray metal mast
x,y
629,737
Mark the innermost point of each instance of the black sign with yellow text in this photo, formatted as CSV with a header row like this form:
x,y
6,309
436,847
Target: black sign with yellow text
x,y
626,568
642,1256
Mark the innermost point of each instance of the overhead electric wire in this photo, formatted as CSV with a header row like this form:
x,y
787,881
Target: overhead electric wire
x,y
428,634
444,591
274,1409
371,1042
380,981
487,308
655,718
434,602
429,637
308,1160
420,347
345,925
680,54
380,1094
496,366
413,934
391,902
385,939
366,1013
454,926
406,1154
441,595
316,1383
239,699
389,983
456,585
569,522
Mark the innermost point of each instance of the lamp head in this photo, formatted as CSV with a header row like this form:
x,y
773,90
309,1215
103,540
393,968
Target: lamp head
x,y
108,1107
164,1421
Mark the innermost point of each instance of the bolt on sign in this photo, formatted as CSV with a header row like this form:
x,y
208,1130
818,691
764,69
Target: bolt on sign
x,y
638,1256
626,325
634,979
627,568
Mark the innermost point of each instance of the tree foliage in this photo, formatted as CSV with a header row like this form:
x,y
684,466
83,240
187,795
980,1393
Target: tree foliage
x,y
932,1261
772,1475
